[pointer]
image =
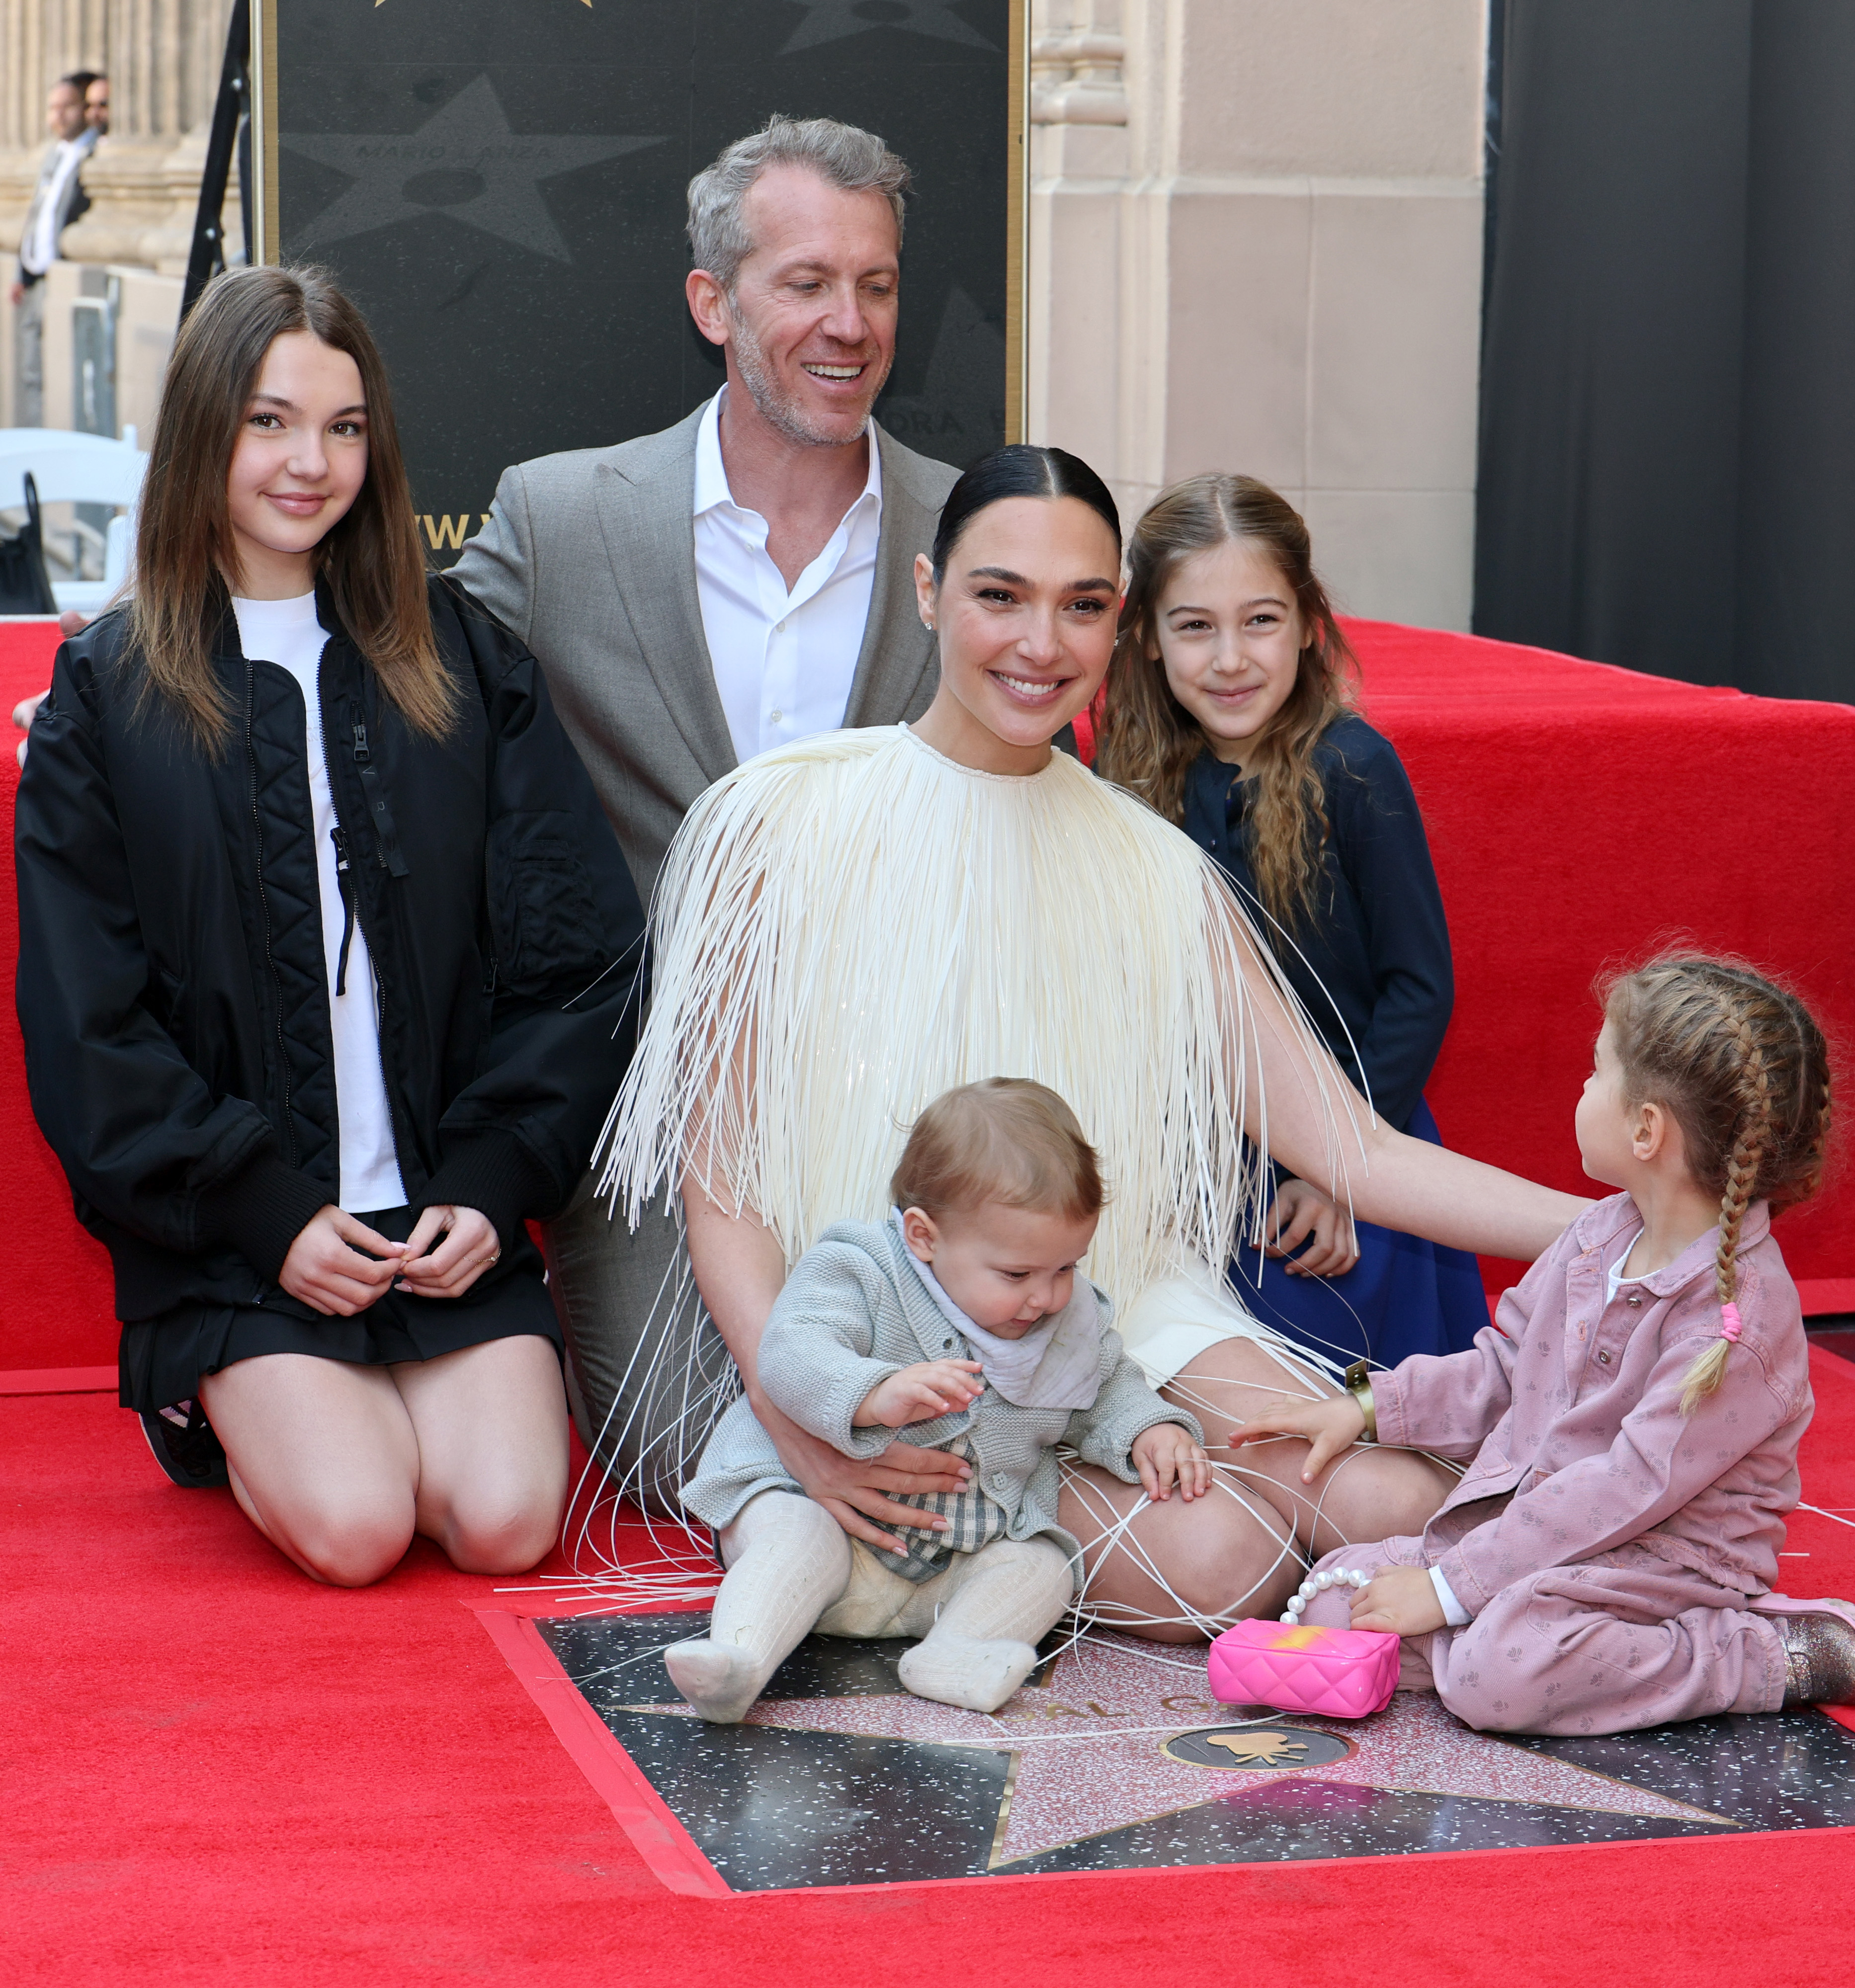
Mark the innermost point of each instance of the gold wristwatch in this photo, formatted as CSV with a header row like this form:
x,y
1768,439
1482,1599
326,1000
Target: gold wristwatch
x,y
1358,1385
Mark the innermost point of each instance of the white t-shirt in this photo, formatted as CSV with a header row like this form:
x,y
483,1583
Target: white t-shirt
x,y
783,661
288,634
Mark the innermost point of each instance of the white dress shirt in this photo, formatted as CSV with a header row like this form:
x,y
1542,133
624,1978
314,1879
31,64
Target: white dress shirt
x,y
783,661
38,247
288,634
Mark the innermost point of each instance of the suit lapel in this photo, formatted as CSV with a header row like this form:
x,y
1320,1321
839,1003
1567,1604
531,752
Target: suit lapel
x,y
650,540
897,650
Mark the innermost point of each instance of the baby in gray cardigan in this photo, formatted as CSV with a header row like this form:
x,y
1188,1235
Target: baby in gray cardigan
x,y
961,1325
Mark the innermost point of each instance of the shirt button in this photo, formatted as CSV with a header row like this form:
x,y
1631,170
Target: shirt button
x,y
778,717
779,627
1603,1359
1634,1298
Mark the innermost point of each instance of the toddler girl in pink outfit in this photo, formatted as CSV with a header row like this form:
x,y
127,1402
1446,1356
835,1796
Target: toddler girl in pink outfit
x,y
1629,1423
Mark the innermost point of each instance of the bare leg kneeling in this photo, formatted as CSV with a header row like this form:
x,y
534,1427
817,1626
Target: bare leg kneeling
x,y
1175,1572
322,1461
338,1465
491,1425
1367,1493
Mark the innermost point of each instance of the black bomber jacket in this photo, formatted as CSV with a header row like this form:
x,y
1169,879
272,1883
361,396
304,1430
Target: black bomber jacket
x,y
172,987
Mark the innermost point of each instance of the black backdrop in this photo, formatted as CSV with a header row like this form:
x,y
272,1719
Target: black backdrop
x,y
1667,471
499,184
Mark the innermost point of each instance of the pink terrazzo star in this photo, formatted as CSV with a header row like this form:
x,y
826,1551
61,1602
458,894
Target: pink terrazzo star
x,y
1088,1749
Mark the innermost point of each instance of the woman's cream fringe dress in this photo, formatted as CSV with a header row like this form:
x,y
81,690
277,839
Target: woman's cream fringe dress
x,y
846,927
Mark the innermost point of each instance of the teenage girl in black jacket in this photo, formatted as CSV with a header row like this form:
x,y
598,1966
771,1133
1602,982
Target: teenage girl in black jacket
x,y
328,967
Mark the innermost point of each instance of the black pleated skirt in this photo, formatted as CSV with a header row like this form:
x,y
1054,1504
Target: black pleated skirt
x,y
162,1360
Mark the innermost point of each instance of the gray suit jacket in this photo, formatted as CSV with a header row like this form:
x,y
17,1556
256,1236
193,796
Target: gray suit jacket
x,y
589,558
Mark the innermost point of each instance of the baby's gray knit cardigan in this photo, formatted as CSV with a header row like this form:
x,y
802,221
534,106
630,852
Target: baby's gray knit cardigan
x,y
854,1312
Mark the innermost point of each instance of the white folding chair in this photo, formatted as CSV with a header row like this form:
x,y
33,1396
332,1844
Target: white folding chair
x,y
71,468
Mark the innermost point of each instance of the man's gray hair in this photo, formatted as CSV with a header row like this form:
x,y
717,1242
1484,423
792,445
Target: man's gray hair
x,y
840,154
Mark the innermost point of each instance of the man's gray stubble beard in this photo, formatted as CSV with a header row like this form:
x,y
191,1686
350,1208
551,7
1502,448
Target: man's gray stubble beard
x,y
775,407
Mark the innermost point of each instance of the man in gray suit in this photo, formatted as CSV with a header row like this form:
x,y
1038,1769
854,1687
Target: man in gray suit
x,y
740,580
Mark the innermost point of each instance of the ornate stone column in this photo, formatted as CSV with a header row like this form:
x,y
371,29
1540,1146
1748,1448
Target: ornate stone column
x,y
163,58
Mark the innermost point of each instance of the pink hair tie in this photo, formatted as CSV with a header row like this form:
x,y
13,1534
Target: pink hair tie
x,y
1730,1327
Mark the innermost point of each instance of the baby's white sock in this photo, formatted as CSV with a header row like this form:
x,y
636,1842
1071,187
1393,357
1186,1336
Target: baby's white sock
x,y
984,1645
788,1560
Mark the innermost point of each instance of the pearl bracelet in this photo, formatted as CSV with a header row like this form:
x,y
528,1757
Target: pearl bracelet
x,y
1340,1576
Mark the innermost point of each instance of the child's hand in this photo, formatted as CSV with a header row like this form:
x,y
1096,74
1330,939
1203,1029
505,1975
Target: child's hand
x,y
1329,1425
1165,1454
1302,1212
918,1394
1401,1599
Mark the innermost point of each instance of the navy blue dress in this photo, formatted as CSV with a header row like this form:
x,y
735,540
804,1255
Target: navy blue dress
x,y
1373,972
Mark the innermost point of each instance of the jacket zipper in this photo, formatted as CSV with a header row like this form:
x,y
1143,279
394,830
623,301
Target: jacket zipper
x,y
386,834
345,884
276,986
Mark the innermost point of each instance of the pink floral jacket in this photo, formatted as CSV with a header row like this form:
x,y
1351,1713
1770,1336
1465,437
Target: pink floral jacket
x,y
1571,1411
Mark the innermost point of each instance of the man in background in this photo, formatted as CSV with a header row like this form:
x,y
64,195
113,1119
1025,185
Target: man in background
x,y
97,106
57,200
742,580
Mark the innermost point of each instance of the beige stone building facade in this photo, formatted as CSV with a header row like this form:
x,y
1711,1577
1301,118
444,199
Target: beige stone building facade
x,y
163,58
1255,244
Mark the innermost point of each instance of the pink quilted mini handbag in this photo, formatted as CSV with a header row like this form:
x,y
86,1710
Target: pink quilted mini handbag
x,y
1339,1673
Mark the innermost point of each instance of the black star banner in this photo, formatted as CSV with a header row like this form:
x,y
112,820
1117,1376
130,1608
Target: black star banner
x,y
499,185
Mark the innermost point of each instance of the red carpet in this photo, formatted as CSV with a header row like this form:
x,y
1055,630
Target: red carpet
x,y
55,1306
217,1772
1580,815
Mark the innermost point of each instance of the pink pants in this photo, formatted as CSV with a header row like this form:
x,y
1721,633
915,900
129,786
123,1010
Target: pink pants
x,y
1624,1639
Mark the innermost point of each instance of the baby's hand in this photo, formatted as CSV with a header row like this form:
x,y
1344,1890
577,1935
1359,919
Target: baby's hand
x,y
1165,1452
1401,1599
1330,1425
918,1394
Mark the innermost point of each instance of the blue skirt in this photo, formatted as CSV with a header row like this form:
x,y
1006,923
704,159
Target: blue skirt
x,y
1403,1296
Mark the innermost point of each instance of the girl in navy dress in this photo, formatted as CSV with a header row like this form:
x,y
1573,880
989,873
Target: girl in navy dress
x,y
1229,710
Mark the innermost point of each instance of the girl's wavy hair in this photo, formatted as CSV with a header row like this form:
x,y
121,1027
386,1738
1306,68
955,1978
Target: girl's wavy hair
x,y
370,560
1147,740
1741,1065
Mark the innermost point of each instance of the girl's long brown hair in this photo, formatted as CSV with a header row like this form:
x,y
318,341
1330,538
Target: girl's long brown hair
x,y
1739,1063
184,548
1147,740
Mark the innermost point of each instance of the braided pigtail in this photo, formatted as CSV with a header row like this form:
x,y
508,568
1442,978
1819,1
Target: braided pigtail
x,y
1748,1149
1742,1065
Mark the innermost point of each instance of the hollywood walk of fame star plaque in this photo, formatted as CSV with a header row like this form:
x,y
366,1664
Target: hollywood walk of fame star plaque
x,y
500,185
1114,1756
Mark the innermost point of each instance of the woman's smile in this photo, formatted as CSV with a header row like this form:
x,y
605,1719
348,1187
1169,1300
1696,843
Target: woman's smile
x,y
1029,690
